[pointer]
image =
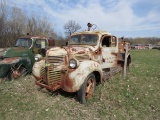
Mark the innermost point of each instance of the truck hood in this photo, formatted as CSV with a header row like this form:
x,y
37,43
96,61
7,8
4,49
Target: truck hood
x,y
16,52
2,50
56,51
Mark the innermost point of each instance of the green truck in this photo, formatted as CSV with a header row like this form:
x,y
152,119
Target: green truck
x,y
18,60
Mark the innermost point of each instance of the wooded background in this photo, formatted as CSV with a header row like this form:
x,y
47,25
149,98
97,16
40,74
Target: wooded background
x,y
14,23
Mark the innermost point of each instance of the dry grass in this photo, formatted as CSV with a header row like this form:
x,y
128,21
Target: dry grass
x,y
136,97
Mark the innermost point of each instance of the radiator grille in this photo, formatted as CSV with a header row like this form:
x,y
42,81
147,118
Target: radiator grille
x,y
43,74
54,76
56,60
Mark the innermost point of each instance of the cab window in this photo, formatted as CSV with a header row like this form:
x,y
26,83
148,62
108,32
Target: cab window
x,y
113,42
109,41
106,42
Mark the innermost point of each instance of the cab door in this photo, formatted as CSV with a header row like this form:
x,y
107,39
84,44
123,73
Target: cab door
x,y
40,46
109,47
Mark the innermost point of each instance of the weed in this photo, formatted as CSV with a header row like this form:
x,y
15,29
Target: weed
x,y
135,97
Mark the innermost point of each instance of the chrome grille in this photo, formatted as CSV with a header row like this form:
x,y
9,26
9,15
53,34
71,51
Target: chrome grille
x,y
43,72
54,76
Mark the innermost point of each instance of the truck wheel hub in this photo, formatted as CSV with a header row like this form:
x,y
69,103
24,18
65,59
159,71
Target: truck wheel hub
x,y
16,74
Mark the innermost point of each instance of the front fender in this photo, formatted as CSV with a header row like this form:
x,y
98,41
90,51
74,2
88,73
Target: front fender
x,y
36,70
76,77
4,69
6,64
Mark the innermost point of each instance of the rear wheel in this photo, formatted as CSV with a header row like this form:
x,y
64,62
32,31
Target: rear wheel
x,y
87,89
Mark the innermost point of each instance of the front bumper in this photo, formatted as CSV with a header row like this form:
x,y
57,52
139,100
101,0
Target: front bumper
x,y
54,86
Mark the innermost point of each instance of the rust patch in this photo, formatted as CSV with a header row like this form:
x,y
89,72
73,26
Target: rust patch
x,y
90,49
81,52
115,54
20,49
16,74
10,60
56,86
65,60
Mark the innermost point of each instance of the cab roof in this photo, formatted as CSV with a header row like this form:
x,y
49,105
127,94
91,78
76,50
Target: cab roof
x,y
37,37
93,32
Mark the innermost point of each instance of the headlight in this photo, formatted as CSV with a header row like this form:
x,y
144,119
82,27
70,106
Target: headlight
x,y
38,57
72,63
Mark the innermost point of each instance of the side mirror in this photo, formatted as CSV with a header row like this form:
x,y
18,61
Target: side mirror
x,y
67,43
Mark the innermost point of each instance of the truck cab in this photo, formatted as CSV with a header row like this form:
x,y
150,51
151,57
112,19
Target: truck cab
x,y
18,60
80,66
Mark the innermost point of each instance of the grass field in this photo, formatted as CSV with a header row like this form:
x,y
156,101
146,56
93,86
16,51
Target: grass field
x,y
136,97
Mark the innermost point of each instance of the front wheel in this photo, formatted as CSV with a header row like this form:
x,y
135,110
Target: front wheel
x,y
87,89
16,71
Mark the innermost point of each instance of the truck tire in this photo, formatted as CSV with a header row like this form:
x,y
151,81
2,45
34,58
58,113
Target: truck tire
x,y
87,89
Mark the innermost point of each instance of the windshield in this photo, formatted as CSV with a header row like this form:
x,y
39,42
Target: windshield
x,y
90,39
24,42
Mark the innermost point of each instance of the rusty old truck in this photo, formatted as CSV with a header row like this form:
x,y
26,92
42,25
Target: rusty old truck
x,y
18,60
86,61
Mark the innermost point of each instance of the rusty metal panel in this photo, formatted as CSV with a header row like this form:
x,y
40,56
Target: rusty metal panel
x,y
76,77
53,76
38,69
82,57
56,60
43,72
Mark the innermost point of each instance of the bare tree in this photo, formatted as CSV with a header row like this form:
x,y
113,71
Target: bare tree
x,y
71,27
2,21
15,23
39,26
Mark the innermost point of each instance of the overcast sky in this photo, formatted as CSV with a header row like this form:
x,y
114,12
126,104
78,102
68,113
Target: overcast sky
x,y
129,18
